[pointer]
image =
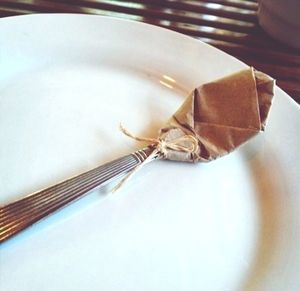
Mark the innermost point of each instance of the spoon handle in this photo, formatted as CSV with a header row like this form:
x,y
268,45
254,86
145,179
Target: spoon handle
x,y
22,213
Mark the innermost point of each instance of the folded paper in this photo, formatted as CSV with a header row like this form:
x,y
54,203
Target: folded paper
x,y
221,115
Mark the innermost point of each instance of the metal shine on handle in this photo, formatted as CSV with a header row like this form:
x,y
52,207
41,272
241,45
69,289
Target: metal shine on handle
x,y
20,214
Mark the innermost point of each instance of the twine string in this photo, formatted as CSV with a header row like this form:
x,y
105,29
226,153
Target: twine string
x,y
161,147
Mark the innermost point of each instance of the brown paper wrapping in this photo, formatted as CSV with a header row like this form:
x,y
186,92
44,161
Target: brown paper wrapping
x,y
222,115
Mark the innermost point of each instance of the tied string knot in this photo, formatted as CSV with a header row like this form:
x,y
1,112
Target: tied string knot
x,y
186,144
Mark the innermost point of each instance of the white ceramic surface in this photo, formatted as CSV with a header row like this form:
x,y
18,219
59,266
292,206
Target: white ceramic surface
x,y
66,82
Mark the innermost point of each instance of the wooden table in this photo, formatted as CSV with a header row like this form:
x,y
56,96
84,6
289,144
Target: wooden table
x,y
230,25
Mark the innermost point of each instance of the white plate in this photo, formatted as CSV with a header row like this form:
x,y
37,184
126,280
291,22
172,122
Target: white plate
x,y
66,82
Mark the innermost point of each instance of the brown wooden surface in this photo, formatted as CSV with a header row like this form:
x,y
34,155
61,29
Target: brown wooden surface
x,y
230,25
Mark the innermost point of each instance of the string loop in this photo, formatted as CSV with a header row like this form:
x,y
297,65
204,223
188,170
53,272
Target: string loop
x,y
161,147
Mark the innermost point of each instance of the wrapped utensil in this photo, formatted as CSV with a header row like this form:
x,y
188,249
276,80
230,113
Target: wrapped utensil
x,y
215,119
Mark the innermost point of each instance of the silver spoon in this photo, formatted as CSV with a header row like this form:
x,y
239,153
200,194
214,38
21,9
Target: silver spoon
x,y
22,213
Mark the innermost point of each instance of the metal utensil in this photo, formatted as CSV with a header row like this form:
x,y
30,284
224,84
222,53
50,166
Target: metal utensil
x,y
18,215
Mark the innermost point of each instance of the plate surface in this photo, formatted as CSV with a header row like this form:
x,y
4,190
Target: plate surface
x,y
66,82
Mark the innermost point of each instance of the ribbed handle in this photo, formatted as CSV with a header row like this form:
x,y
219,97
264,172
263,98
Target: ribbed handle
x,y
22,213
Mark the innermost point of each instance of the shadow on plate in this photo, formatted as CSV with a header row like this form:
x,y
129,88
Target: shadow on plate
x,y
270,189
